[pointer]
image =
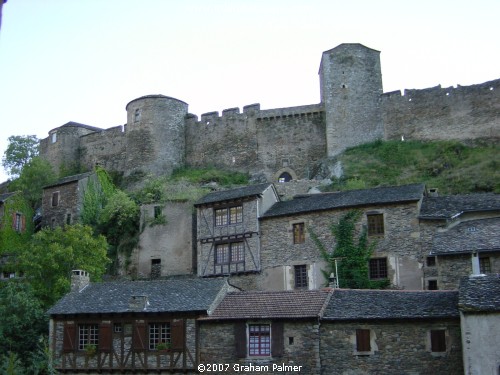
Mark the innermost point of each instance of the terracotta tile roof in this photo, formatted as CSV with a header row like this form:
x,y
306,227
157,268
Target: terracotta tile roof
x,y
353,198
447,207
475,235
232,194
355,304
172,295
480,293
270,304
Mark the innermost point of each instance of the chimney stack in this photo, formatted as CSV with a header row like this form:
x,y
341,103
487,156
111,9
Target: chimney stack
x,y
79,279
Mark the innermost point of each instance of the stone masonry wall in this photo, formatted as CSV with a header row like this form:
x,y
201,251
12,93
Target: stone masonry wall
x,y
397,348
400,243
106,148
217,345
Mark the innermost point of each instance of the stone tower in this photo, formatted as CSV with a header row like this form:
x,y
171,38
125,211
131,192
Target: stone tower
x,y
155,134
351,85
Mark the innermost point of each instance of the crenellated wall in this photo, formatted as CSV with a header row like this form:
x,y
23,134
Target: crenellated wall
x,y
461,113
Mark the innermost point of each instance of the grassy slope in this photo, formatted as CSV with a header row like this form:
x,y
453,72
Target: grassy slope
x,y
449,166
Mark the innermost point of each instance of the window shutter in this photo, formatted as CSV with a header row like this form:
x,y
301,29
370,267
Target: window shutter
x,y
139,337
105,338
277,339
177,332
23,223
69,337
363,340
240,339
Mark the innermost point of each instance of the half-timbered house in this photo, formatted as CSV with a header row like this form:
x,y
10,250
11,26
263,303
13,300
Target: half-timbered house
x,y
131,326
228,230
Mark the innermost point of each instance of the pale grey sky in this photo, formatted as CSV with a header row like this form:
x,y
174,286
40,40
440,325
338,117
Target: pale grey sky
x,y
84,60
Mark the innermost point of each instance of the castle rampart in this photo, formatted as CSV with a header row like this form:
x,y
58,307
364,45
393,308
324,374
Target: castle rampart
x,y
161,135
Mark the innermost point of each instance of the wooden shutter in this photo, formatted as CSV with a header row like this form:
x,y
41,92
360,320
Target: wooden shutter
x,y
363,340
240,339
177,334
277,339
69,337
105,337
139,339
23,223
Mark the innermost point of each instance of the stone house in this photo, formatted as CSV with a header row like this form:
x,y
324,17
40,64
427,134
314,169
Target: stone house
x,y
391,332
265,331
165,245
62,201
479,305
290,259
459,237
131,326
229,233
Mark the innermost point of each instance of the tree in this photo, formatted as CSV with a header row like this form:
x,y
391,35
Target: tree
x,y
19,152
349,256
53,254
22,323
34,175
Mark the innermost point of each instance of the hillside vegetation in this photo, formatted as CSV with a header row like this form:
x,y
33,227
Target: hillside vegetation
x,y
451,167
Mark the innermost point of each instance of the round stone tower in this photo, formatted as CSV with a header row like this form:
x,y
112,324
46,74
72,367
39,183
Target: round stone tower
x,y
351,85
155,134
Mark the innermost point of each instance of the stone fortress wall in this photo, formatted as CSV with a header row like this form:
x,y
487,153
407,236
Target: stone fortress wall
x,y
161,135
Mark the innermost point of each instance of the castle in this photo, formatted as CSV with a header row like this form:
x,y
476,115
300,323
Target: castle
x,y
282,143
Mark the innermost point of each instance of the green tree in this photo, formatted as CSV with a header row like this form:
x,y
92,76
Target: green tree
x,y
19,152
22,323
34,175
53,254
350,256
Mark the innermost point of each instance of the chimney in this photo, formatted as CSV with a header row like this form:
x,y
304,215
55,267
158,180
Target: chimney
x,y
332,281
79,279
138,303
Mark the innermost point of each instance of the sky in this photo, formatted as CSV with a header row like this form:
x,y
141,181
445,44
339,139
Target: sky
x,y
84,60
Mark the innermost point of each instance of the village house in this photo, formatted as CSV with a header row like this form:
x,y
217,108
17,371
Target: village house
x,y
479,305
391,332
290,259
267,331
62,202
459,237
229,233
132,326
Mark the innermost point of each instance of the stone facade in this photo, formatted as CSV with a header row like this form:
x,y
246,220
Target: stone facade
x,y
396,348
161,135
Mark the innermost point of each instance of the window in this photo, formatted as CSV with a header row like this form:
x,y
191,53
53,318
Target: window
x,y
155,261
431,261
137,115
378,268
438,340
117,327
18,222
68,219
432,285
227,216
484,265
233,252
158,332
54,137
285,177
88,334
375,224
301,276
259,340
55,199
298,233
53,223
363,340
157,212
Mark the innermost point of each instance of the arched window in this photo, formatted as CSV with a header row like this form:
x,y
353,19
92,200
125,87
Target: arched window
x,y
285,177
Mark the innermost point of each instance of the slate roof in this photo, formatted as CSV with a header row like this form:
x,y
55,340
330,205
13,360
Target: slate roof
x,y
355,304
353,198
270,304
480,293
78,125
232,194
5,196
447,207
68,179
173,295
469,236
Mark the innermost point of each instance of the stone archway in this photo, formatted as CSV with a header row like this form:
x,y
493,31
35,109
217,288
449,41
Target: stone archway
x,y
285,175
